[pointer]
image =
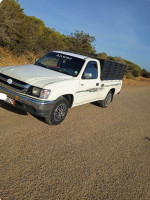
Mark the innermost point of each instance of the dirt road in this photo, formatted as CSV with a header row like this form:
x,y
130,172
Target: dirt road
x,y
94,154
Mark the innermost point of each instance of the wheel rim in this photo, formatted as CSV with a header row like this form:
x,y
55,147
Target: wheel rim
x,y
60,112
108,99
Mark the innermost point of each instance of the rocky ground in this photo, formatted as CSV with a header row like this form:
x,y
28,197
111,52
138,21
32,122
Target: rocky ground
x,y
94,154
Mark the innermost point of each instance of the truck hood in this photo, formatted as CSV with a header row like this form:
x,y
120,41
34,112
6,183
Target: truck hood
x,y
34,75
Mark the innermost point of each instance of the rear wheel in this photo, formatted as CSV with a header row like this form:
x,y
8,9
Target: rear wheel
x,y
104,103
58,112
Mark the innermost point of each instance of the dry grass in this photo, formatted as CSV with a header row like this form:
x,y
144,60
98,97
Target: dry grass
x,y
8,59
139,81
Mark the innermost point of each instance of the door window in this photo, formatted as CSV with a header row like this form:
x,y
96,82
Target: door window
x,y
90,71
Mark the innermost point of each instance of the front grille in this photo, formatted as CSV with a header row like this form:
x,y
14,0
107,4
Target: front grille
x,y
16,84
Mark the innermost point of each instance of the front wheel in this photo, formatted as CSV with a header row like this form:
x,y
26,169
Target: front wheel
x,y
104,103
58,112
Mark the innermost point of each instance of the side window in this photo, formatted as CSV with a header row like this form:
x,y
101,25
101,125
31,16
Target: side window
x,y
90,71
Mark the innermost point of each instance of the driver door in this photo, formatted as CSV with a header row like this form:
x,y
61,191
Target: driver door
x,y
89,84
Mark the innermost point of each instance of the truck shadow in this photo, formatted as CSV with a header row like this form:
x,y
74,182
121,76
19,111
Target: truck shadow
x,y
95,103
11,108
147,138
18,111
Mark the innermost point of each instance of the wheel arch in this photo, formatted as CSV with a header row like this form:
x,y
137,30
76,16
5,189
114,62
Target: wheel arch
x,y
113,92
70,99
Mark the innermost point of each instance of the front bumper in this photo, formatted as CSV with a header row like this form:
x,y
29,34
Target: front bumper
x,y
29,104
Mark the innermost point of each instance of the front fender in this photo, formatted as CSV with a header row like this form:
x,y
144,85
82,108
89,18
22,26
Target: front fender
x,y
63,88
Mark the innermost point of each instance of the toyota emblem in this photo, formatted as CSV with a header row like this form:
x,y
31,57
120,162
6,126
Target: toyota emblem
x,y
9,81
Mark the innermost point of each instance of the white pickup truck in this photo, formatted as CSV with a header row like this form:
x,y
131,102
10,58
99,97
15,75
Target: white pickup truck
x,y
58,81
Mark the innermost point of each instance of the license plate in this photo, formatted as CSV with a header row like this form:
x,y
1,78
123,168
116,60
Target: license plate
x,y
10,101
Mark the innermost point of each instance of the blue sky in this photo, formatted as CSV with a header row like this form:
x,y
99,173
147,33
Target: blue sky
x,y
121,27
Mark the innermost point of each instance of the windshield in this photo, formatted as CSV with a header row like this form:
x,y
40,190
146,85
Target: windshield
x,y
61,63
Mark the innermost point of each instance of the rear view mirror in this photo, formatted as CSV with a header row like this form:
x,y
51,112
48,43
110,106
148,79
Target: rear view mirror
x,y
87,75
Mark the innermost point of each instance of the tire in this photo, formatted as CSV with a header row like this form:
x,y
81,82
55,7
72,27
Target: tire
x,y
58,112
108,99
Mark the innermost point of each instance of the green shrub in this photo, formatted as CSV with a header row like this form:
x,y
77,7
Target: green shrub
x,y
130,76
145,73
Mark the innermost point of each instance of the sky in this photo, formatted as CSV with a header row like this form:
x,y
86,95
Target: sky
x,y
121,27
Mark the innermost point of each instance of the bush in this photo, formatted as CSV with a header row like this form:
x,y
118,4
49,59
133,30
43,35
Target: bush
x,y
133,69
145,73
102,55
130,76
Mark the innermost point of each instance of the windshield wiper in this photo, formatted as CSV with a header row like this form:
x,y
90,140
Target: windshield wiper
x,y
63,71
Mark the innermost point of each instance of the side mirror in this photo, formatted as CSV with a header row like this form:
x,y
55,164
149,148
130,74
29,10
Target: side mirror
x,y
87,75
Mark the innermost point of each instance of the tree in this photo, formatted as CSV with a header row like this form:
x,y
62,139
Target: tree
x,y
102,55
11,24
81,41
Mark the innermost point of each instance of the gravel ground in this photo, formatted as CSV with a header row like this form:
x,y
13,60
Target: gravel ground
x,y
94,154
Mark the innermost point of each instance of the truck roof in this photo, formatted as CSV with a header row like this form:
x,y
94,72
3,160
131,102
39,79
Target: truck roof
x,y
73,54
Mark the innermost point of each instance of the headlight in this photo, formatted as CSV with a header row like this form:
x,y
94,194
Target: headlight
x,y
38,92
44,93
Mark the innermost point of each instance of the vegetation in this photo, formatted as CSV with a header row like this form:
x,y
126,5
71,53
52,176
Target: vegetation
x,y
21,33
145,73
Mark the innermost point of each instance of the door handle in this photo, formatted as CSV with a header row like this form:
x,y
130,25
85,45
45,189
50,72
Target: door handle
x,y
97,84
